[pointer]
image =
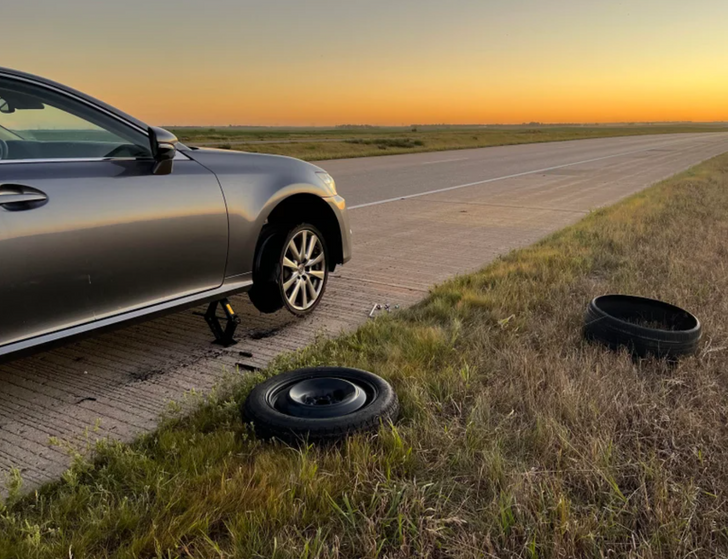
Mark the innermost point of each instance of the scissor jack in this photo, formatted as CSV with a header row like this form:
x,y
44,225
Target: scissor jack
x,y
223,337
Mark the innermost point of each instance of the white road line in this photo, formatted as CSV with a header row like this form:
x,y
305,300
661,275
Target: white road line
x,y
437,191
445,161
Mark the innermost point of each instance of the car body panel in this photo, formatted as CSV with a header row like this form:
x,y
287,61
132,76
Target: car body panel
x,y
254,185
116,243
28,346
338,207
111,238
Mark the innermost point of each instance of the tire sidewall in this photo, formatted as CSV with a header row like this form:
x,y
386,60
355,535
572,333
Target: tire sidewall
x,y
267,420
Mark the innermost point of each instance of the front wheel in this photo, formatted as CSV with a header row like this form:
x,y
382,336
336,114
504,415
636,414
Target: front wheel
x,y
293,272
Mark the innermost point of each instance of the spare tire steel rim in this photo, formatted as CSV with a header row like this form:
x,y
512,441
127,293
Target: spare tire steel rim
x,y
321,398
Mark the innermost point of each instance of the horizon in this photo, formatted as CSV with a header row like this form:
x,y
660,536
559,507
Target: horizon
x,y
447,125
286,64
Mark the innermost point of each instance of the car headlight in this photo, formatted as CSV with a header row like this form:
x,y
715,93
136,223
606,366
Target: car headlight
x,y
328,180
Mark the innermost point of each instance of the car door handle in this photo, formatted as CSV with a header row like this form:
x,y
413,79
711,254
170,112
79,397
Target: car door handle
x,y
19,197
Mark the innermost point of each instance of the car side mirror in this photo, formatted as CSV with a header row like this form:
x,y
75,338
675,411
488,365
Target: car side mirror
x,y
164,148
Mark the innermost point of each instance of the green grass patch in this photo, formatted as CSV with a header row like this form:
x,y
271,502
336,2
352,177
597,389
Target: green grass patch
x,y
517,438
385,143
314,144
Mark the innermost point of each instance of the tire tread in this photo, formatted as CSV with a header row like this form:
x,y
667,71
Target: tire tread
x,y
642,341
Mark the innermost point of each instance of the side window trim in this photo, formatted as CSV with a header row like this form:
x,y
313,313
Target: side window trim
x,y
179,156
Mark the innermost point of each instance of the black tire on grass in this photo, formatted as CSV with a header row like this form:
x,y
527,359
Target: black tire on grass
x,y
261,408
619,321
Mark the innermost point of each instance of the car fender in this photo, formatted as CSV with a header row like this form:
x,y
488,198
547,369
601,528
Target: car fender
x,y
253,185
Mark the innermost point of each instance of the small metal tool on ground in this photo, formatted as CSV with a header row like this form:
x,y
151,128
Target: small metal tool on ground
x,y
375,308
378,307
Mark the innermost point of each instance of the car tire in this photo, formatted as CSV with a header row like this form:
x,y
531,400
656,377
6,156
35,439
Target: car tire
x,y
272,287
265,293
320,404
618,321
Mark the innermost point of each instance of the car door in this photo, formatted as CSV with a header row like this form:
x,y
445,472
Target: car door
x,y
87,230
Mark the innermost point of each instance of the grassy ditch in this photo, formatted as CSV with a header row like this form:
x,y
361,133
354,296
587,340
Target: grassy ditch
x,y
517,438
314,144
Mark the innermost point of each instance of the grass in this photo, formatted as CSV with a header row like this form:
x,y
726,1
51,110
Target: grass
x,y
517,438
386,143
330,143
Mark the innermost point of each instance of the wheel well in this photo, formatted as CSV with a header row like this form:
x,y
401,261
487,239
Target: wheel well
x,y
308,208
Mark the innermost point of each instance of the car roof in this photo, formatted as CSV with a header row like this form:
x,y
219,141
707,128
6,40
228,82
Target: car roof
x,y
8,72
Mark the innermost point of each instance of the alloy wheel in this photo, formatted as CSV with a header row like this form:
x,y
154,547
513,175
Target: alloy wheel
x,y
303,270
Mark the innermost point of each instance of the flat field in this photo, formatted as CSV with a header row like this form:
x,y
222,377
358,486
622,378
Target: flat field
x,y
313,144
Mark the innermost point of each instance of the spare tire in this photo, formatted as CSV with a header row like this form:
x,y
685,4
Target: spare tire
x,y
644,326
320,404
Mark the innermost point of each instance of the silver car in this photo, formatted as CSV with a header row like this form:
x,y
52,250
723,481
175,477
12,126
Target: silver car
x,y
105,220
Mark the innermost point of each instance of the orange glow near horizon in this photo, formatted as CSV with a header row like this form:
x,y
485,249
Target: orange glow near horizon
x,y
326,62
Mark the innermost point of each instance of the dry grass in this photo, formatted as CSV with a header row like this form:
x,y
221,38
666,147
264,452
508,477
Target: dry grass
x,y
313,144
518,439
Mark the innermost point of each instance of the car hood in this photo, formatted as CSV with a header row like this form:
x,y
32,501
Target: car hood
x,y
226,162
261,174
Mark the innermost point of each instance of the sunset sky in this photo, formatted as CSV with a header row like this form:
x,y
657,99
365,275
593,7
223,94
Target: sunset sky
x,y
323,62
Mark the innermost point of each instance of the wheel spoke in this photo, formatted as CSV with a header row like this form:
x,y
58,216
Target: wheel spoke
x,y
320,274
302,250
288,263
304,292
294,250
294,294
316,260
311,289
311,246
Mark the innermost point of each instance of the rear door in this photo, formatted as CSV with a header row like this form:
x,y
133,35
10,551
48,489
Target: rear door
x,y
87,231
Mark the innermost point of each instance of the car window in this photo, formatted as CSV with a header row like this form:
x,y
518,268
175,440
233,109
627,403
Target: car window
x,y
6,134
37,123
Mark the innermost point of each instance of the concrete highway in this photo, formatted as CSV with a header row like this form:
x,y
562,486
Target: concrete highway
x,y
417,219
